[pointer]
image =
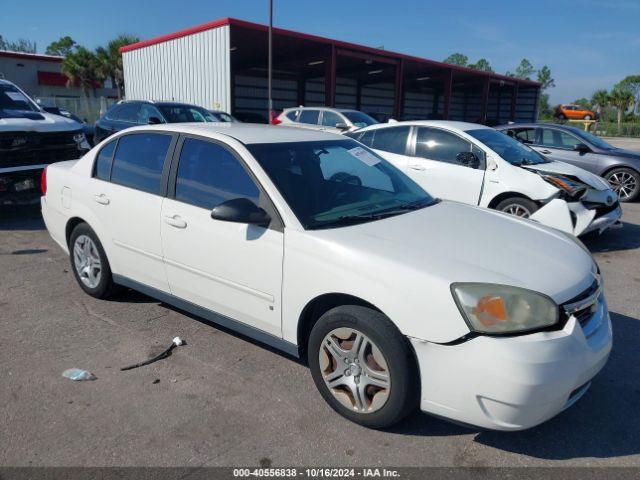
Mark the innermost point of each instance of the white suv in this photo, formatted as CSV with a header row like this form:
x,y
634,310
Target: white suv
x,y
317,246
335,120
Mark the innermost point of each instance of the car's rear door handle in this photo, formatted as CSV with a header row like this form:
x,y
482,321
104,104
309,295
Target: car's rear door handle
x,y
101,199
175,221
546,152
417,167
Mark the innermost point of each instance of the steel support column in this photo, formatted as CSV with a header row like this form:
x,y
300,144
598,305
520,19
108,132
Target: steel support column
x,y
330,79
448,88
397,106
484,101
514,102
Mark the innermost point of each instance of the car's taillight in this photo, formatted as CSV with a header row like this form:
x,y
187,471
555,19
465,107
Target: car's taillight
x,y
274,118
43,182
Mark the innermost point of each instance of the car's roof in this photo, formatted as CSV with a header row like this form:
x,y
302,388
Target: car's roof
x,y
247,132
448,124
323,108
534,125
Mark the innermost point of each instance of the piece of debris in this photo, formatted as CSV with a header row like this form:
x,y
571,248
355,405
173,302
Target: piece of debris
x,y
157,380
177,341
77,374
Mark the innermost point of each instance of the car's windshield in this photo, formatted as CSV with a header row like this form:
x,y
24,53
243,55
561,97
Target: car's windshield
x,y
222,117
591,138
186,113
509,149
359,119
337,182
13,99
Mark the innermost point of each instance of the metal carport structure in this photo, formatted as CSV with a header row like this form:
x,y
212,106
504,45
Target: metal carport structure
x,y
223,65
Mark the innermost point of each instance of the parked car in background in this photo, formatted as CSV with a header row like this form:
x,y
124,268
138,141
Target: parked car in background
x,y
30,139
131,113
252,117
221,116
478,165
621,168
574,112
88,130
335,120
313,244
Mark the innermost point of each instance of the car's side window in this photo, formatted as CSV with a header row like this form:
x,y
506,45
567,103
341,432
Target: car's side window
x,y
367,137
102,168
309,116
292,115
331,119
209,174
113,112
127,113
146,112
526,135
558,139
139,160
435,144
393,140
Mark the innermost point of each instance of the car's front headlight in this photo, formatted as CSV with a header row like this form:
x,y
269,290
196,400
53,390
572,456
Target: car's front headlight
x,y
567,185
500,309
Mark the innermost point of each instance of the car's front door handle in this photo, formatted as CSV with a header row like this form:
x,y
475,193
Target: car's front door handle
x,y
417,167
175,221
101,199
546,152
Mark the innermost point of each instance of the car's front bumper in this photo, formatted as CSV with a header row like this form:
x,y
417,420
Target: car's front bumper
x,y
513,383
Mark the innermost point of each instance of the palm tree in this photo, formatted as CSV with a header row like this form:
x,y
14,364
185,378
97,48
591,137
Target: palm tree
x,y
110,60
600,99
82,68
621,97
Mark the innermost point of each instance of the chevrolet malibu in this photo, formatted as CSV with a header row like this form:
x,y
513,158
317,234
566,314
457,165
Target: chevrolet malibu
x,y
315,245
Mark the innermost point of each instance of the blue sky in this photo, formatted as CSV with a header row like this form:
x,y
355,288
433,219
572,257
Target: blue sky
x,y
588,44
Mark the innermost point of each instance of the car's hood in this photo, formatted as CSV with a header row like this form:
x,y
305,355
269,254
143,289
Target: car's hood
x,y
563,168
621,152
453,242
36,122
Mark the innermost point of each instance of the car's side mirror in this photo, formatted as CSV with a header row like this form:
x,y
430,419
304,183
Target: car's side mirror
x,y
468,159
342,126
154,121
241,210
581,148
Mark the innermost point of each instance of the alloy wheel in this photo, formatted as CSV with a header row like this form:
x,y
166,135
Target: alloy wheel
x,y
86,260
517,210
354,370
623,183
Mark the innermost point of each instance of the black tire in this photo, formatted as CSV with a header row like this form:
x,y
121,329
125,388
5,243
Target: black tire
x,y
587,117
403,396
514,203
105,287
625,171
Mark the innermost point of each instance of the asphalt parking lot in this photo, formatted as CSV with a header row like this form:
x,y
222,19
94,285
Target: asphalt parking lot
x,y
224,401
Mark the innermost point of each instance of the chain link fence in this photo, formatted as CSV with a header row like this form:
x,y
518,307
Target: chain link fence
x,y
88,109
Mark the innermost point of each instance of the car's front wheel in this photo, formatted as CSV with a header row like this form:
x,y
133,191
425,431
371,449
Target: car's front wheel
x,y
587,117
363,366
89,262
518,206
625,182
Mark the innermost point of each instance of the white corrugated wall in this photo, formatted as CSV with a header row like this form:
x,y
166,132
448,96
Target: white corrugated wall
x,y
191,69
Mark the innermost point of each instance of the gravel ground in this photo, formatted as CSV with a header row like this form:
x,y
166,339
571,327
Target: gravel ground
x,y
225,401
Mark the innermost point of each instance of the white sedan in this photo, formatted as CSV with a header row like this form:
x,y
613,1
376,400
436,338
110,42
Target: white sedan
x,y
478,165
315,245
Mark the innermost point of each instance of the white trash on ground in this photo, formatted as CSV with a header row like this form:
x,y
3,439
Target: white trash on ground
x,y
78,374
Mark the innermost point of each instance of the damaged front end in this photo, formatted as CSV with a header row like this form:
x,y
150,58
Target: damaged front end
x,y
578,208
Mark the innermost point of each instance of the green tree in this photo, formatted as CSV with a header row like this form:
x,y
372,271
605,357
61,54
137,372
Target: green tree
x,y
544,108
524,70
482,65
21,45
457,59
583,102
622,98
63,46
545,79
81,66
110,60
600,101
633,83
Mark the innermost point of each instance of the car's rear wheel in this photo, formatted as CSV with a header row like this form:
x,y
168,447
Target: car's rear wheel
x,y
625,182
363,366
518,206
89,262
587,117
